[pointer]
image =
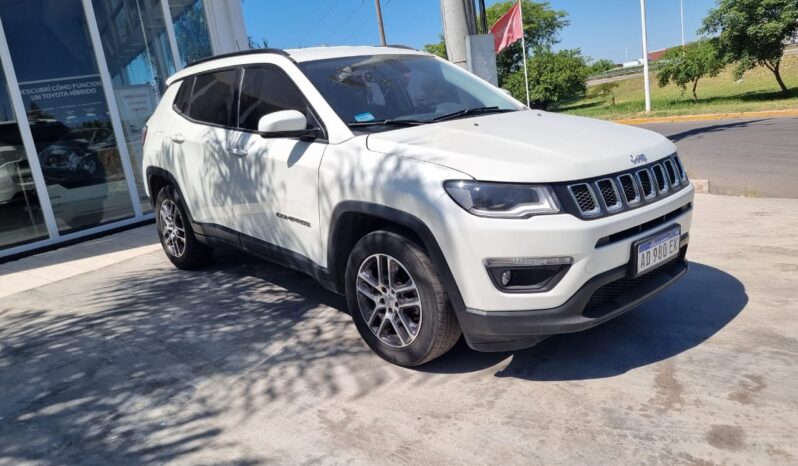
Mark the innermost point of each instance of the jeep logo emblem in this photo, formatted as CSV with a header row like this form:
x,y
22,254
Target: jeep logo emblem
x,y
638,159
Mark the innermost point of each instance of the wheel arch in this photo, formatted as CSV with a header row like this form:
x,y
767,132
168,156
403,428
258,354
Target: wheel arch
x,y
351,220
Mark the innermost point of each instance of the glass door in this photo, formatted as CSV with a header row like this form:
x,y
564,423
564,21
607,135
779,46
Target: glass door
x,y
21,219
68,115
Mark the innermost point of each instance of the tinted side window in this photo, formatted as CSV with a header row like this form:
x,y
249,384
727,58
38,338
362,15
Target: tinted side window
x,y
184,95
265,91
213,98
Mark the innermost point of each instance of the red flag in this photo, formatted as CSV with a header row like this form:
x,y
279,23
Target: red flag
x,y
508,29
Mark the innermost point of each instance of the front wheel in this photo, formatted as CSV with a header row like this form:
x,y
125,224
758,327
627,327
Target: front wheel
x,y
397,300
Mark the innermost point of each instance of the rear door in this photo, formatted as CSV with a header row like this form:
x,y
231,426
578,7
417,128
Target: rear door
x,y
276,192
201,141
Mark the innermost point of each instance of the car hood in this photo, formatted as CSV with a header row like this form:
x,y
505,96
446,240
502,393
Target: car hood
x,y
526,146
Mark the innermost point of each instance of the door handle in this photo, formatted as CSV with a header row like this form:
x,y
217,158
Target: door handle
x,y
237,151
178,138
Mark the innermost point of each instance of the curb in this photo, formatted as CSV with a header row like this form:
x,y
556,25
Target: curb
x,y
708,117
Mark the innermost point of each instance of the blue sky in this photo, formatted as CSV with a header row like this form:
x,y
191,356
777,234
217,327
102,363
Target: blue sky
x,y
601,28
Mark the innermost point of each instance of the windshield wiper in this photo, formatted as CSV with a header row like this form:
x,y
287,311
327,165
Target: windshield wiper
x,y
362,124
472,111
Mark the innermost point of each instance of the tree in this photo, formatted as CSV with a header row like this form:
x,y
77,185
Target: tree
x,y
753,32
542,25
553,77
687,66
605,90
438,48
602,66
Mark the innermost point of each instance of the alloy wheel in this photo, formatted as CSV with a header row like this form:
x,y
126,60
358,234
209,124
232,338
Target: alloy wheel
x,y
173,229
389,300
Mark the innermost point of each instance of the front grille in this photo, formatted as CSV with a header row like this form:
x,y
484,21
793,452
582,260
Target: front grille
x,y
625,190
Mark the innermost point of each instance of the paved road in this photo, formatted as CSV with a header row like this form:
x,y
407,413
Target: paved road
x,y
742,157
248,363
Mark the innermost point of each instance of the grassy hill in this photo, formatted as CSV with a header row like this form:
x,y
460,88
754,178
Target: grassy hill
x,y
757,91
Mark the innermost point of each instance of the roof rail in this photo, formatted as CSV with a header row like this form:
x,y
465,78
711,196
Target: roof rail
x,y
399,46
238,54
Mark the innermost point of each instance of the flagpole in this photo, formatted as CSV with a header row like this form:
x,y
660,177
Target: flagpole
x,y
523,47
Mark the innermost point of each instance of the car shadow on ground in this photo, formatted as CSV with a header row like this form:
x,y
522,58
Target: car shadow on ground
x,y
684,316
148,364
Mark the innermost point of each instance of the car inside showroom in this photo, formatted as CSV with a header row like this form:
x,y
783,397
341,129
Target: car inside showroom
x,y
79,80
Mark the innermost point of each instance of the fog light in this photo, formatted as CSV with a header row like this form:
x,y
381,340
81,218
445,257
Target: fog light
x,y
507,275
527,274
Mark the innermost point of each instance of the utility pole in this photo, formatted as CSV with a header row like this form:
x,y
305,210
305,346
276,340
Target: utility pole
x,y
456,28
483,17
681,10
646,77
379,21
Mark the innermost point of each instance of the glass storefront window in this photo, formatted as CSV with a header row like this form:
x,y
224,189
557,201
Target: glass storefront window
x,y
191,30
139,59
67,111
21,218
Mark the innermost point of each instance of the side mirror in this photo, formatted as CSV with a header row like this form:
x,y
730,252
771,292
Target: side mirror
x,y
286,124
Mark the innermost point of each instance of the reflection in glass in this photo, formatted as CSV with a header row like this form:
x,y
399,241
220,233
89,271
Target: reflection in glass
x,y
20,214
139,59
191,30
68,115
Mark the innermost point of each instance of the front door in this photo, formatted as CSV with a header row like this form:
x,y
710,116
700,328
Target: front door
x,y
276,196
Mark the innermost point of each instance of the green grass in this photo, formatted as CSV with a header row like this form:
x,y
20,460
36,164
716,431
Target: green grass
x,y
757,92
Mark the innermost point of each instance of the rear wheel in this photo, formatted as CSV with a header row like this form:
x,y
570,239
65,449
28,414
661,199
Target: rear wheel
x,y
174,230
397,300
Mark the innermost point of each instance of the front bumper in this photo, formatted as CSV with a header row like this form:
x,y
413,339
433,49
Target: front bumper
x,y
600,299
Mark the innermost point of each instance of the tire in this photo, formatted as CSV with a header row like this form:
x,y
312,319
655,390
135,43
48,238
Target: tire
x,y
192,254
424,309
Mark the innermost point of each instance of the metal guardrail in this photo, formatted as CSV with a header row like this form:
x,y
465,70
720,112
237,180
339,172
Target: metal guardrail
x,y
614,73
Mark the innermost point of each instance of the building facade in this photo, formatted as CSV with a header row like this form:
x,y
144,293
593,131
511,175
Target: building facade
x,y
79,79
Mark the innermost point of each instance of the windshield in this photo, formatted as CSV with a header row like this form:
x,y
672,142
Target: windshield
x,y
396,88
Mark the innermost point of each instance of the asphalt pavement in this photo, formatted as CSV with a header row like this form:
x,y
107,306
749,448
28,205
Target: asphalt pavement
x,y
249,363
749,157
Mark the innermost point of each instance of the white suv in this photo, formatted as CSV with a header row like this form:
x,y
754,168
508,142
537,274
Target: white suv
x,y
436,203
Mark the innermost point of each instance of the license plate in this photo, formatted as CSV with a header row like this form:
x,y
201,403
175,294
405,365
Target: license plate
x,y
652,252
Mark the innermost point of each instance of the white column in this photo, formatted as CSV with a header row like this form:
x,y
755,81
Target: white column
x,y
113,109
27,137
226,27
170,34
646,77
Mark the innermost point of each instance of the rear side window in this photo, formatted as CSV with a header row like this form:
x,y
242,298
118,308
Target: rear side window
x,y
184,95
213,98
265,91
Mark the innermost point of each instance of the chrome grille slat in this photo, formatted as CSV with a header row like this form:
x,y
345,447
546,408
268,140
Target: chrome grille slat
x,y
605,196
659,178
671,171
629,189
609,194
585,199
646,180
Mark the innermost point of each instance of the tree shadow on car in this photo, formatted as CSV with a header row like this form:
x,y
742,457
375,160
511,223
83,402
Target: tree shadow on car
x,y
679,319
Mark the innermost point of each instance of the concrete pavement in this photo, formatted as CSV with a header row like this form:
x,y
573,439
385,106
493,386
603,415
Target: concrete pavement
x,y
751,157
249,363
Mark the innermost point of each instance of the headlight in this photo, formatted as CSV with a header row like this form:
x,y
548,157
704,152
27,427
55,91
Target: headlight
x,y
503,200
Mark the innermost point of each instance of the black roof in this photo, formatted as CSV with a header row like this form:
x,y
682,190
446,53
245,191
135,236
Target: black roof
x,y
238,54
